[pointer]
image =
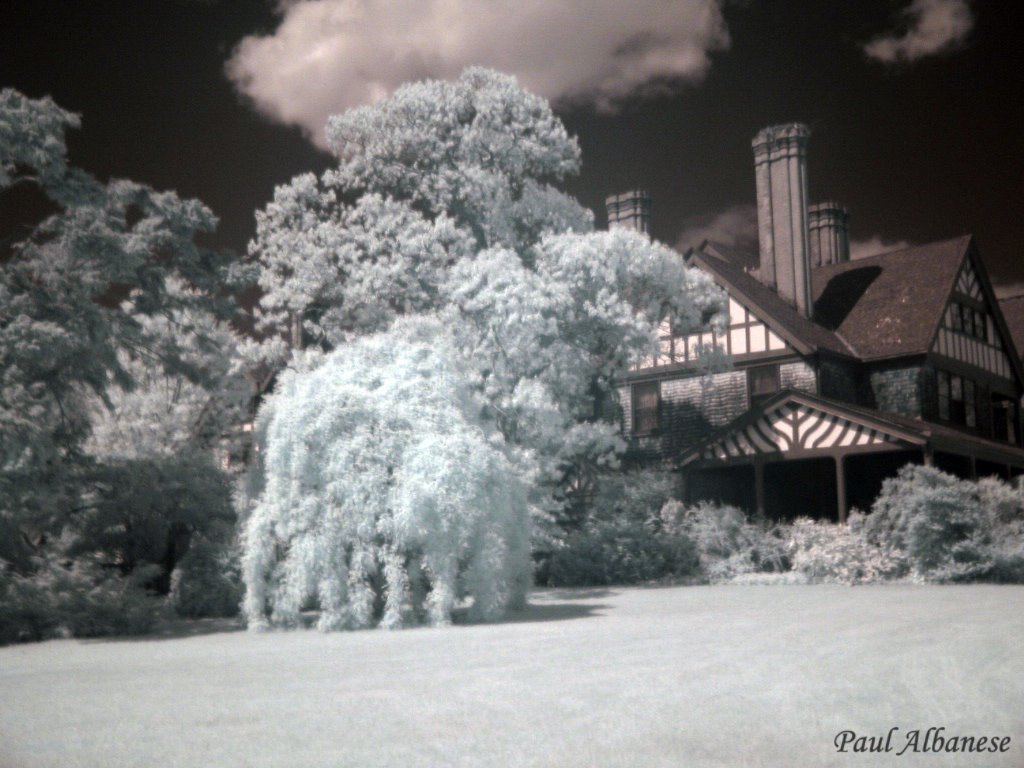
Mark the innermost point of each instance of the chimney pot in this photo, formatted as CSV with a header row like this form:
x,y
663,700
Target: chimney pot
x,y
827,224
629,210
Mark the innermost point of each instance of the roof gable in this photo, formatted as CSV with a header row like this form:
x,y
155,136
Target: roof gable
x,y
970,330
880,307
889,305
798,331
799,422
795,426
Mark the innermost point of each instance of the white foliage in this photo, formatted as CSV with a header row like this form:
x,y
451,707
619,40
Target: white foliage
x,y
442,204
547,340
387,495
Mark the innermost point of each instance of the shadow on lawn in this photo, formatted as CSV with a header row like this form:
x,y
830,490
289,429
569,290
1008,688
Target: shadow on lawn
x,y
554,612
177,630
535,612
541,612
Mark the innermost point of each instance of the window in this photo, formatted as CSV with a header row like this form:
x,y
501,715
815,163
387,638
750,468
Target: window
x,y
969,321
646,407
1004,419
762,383
957,399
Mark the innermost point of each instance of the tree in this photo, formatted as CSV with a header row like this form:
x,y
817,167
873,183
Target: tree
x,y
442,206
387,494
83,293
443,197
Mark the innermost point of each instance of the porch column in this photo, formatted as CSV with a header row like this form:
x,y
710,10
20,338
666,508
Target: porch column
x,y
759,485
929,456
974,468
840,489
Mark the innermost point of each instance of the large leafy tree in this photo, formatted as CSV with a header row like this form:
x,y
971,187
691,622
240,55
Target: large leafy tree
x,y
443,197
442,205
86,293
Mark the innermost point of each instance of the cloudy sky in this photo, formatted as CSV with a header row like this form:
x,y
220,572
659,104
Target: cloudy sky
x,y
916,106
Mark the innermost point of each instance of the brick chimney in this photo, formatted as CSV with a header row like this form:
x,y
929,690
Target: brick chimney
x,y
780,167
827,227
630,210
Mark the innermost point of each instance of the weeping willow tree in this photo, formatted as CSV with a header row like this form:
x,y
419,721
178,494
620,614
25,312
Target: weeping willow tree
x,y
387,496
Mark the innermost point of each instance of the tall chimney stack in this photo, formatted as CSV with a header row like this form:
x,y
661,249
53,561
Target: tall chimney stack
x,y
827,226
780,166
630,210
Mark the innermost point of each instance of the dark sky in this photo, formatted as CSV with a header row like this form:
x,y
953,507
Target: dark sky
x,y
917,152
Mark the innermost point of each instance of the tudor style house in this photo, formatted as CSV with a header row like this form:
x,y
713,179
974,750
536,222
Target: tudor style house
x,y
842,370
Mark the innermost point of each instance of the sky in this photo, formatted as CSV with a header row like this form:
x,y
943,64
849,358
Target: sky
x,y
916,107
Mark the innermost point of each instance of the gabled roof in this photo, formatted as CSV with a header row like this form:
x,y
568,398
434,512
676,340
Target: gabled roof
x,y
882,306
730,267
889,305
794,420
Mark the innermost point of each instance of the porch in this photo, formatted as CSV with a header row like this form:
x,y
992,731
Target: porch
x,y
799,455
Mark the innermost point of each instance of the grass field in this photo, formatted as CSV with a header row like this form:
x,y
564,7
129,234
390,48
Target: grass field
x,y
694,676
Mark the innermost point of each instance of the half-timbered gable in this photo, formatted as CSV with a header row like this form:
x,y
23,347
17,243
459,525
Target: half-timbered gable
x,y
970,333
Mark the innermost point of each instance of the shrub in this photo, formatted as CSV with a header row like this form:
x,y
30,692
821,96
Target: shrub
x,y
826,552
727,542
950,529
77,601
622,551
207,582
621,539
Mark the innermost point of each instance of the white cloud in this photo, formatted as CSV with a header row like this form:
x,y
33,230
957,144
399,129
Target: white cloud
x,y
934,26
735,227
329,55
860,249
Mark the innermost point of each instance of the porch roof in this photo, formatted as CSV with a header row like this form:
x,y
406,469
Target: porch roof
x,y
794,423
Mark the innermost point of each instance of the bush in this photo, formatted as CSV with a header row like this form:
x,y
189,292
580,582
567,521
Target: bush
x,y
727,542
826,552
950,529
207,582
622,552
620,539
77,601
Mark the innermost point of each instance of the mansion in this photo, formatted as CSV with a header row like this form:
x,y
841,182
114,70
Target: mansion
x,y
842,370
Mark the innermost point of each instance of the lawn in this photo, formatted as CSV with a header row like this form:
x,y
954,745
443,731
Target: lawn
x,y
682,677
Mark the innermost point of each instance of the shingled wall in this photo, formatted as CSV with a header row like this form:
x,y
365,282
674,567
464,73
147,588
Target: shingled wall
x,y
895,388
693,406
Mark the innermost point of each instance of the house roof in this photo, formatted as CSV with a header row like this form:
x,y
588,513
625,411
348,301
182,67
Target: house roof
x,y
731,266
873,308
816,422
889,305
